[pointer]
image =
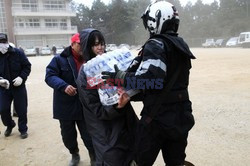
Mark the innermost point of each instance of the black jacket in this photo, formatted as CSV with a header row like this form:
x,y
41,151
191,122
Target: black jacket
x,y
109,126
14,63
60,73
161,57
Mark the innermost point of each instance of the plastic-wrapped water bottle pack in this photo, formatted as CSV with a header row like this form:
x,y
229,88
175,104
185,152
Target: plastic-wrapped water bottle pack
x,y
105,62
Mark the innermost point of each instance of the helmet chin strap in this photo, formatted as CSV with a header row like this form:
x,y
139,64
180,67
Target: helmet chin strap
x,y
158,18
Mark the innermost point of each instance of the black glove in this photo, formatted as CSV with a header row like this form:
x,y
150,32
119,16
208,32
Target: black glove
x,y
118,74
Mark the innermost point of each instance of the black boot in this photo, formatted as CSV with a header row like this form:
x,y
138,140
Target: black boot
x,y
187,163
75,159
92,158
24,135
8,131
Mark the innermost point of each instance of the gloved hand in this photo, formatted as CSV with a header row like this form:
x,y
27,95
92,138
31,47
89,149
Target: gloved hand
x,y
118,74
4,83
17,81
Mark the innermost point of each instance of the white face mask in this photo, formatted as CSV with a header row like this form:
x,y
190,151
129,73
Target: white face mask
x,y
4,47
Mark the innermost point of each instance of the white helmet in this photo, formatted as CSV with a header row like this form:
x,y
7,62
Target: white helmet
x,y
161,16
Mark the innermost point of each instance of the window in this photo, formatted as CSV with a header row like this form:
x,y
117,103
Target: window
x,y
19,22
32,23
54,5
29,5
56,23
63,23
51,23
29,23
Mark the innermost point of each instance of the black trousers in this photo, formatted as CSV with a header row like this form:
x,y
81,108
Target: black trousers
x,y
69,135
148,147
19,95
168,133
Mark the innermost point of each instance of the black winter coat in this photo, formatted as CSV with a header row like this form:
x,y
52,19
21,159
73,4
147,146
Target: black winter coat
x,y
13,64
105,123
160,58
110,128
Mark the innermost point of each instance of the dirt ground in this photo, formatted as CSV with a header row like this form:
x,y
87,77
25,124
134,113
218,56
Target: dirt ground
x,y
220,92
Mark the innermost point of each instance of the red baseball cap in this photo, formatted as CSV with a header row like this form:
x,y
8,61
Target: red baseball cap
x,y
75,38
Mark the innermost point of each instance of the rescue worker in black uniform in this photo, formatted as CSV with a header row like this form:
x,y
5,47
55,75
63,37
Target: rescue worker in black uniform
x,y
166,117
14,70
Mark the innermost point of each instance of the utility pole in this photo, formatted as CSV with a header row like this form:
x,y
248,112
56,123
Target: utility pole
x,y
247,3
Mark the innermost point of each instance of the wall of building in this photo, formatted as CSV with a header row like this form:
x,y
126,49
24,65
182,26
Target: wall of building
x,y
28,24
9,21
3,26
38,41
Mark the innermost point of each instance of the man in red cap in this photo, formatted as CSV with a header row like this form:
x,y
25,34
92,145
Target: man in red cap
x,y
61,75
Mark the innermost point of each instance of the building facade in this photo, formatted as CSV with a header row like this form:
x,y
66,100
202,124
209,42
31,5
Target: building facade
x,y
37,23
3,23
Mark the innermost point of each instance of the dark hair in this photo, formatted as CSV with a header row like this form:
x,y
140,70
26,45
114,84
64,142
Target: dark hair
x,y
91,41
